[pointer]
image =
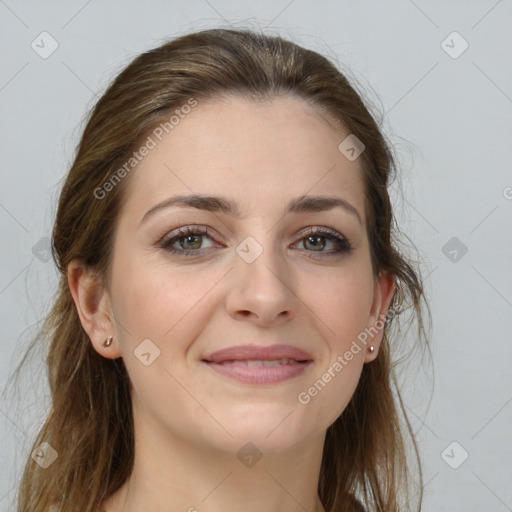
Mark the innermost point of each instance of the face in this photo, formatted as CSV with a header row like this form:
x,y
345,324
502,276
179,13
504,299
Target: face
x,y
258,276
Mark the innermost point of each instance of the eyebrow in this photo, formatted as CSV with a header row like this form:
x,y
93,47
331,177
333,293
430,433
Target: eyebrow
x,y
215,204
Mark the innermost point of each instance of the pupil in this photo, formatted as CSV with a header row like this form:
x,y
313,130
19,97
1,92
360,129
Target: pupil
x,y
315,244
191,237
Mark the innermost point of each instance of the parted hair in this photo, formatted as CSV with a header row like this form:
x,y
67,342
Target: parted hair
x,y
366,464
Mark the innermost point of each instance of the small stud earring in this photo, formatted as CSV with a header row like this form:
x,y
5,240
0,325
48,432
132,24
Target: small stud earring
x,y
372,349
107,342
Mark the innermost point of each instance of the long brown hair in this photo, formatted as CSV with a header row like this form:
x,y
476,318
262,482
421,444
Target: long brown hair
x,y
90,424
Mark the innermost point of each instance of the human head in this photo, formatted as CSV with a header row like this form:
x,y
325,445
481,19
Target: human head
x,y
206,66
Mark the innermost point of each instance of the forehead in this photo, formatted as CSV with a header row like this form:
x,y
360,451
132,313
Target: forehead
x,y
259,153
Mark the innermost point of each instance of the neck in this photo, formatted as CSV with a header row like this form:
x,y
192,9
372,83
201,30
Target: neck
x,y
177,475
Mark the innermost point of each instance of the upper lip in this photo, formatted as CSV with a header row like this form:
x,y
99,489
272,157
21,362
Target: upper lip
x,y
258,353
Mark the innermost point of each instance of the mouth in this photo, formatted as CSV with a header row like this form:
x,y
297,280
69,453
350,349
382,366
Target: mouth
x,y
253,364
262,353
256,363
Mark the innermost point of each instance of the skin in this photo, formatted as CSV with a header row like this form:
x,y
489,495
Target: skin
x,y
190,422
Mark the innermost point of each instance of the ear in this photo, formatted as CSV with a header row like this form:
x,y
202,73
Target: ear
x,y
383,292
92,302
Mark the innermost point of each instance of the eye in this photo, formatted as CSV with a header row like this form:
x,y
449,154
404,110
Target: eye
x,y
189,239
314,240
315,237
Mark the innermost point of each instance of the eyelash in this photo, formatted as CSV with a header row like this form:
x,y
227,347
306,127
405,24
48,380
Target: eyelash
x,y
344,246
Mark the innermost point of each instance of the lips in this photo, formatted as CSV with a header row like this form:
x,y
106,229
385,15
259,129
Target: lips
x,y
259,365
253,353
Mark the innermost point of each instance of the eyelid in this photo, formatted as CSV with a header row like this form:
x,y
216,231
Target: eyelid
x,y
330,234
186,229
344,245
308,230
321,230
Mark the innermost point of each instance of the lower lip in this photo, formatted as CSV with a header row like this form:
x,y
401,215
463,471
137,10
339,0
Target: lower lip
x,y
260,374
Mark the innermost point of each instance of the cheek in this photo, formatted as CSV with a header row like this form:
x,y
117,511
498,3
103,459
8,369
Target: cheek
x,y
341,309
342,302
161,303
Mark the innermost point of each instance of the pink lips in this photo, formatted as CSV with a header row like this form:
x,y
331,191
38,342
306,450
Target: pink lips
x,y
233,362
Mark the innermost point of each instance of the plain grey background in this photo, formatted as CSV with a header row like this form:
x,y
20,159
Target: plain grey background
x,y
440,75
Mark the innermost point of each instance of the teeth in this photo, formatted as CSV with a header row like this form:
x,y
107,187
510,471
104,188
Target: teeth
x,y
256,363
274,363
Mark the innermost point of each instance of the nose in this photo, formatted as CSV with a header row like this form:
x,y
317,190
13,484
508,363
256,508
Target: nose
x,y
262,287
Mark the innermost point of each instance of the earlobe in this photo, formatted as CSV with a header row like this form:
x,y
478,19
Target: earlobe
x,y
383,293
92,303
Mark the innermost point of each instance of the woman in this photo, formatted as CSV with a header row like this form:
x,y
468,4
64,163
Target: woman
x,y
229,278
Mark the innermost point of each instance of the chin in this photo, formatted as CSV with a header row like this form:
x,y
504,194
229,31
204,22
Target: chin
x,y
271,428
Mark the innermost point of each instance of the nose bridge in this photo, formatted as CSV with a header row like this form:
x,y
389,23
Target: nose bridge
x,y
262,280
261,256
